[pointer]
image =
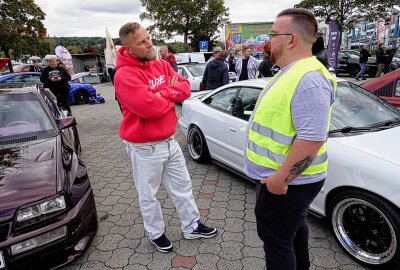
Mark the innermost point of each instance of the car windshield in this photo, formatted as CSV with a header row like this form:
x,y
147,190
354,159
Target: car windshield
x,y
197,70
356,107
353,52
22,115
353,56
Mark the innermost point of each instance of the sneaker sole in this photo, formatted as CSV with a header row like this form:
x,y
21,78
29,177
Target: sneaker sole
x,y
189,236
163,250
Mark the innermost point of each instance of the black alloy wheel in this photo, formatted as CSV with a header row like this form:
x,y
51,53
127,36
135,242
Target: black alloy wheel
x,y
367,228
197,145
81,97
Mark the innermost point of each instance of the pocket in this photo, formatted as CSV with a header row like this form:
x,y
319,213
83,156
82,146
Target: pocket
x,y
144,150
269,205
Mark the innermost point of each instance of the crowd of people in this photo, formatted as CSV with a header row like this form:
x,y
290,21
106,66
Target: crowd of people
x,y
148,88
300,97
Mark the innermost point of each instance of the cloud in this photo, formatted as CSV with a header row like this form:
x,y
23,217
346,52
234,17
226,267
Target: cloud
x,y
103,6
91,17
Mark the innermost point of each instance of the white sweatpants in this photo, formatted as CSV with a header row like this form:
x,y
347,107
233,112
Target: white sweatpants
x,y
156,163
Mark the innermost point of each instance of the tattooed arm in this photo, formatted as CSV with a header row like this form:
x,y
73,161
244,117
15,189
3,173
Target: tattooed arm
x,y
302,154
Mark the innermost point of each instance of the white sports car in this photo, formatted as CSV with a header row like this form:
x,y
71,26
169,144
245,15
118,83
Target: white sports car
x,y
194,73
361,195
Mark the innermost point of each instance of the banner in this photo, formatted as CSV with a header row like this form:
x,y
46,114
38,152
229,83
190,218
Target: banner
x,y
333,44
110,54
253,35
65,58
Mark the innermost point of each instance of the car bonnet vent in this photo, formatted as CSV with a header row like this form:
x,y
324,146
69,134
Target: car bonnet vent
x,y
19,140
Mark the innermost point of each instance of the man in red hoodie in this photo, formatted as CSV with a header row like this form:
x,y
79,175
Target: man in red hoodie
x,y
147,90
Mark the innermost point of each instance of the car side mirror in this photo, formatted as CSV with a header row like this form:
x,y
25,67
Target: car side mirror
x,y
66,122
345,57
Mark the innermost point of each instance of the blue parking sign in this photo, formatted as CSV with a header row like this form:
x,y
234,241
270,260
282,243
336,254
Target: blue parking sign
x,y
203,46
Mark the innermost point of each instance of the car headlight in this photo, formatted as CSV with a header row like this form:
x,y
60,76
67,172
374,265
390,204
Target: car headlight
x,y
53,205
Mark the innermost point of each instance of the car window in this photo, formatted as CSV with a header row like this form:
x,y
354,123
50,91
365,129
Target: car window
x,y
397,92
31,78
79,80
222,100
245,102
356,107
182,72
23,114
197,70
15,79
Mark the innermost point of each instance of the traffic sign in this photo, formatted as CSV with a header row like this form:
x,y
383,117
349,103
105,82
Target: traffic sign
x,y
203,46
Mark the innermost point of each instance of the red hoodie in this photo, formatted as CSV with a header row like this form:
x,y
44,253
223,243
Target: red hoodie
x,y
147,117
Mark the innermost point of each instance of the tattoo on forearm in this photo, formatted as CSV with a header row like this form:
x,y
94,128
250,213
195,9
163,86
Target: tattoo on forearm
x,y
298,168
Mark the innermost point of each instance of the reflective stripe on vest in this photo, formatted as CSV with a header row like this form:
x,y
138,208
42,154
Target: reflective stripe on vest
x,y
272,131
281,158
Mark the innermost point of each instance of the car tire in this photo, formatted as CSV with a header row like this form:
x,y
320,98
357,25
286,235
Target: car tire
x,y
367,228
197,145
81,97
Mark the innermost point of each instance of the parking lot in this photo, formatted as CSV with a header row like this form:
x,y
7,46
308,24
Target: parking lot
x,y
225,200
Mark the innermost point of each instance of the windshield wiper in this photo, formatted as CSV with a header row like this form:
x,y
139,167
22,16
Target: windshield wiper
x,y
349,129
389,123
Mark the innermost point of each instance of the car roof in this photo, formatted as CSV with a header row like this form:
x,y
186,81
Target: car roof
x,y
262,81
191,64
10,75
79,75
17,88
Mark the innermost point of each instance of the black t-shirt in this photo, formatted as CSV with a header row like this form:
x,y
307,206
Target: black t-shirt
x,y
265,68
243,74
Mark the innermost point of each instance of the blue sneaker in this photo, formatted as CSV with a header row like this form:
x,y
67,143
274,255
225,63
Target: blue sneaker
x,y
202,231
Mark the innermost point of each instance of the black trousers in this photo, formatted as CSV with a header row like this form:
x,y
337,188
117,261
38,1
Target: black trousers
x,y
282,225
63,101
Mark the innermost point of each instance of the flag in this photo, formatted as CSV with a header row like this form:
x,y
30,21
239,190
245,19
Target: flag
x,y
109,53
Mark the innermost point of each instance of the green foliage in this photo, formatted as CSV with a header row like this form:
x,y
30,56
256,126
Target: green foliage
x,y
190,18
79,44
348,12
21,28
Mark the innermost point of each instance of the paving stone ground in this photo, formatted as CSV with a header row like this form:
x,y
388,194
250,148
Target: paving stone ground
x,y
225,200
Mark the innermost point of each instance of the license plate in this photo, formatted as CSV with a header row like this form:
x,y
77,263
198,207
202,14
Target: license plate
x,y
2,263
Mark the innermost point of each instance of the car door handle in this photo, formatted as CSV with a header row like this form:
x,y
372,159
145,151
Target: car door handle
x,y
232,129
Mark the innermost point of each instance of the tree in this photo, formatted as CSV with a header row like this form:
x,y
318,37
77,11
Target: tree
x,y
349,12
185,17
21,28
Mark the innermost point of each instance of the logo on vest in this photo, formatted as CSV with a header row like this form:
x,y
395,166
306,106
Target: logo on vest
x,y
157,81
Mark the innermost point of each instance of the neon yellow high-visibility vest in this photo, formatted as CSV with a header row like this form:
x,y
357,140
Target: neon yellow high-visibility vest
x,y
272,131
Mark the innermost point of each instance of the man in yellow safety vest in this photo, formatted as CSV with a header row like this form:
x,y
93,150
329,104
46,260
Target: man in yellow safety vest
x,y
286,140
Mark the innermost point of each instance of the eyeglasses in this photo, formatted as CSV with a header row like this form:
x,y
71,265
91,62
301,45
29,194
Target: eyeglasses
x,y
276,34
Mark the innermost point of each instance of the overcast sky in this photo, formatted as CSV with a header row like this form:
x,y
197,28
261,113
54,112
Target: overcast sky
x,y
88,18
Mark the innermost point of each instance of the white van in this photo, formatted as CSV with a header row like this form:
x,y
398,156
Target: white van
x,y
193,57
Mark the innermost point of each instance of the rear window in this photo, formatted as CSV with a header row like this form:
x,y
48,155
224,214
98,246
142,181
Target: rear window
x,y
197,70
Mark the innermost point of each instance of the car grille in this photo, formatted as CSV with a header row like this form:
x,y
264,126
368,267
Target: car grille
x,y
385,91
4,230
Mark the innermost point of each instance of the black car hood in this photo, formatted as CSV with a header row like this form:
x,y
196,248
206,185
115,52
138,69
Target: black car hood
x,y
27,174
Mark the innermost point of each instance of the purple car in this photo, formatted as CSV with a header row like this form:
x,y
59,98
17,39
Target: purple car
x,y
47,210
81,92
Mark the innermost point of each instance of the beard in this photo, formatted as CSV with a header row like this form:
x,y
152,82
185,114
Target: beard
x,y
148,57
276,53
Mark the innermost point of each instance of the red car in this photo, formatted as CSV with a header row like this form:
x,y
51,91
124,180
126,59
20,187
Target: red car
x,y
387,87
